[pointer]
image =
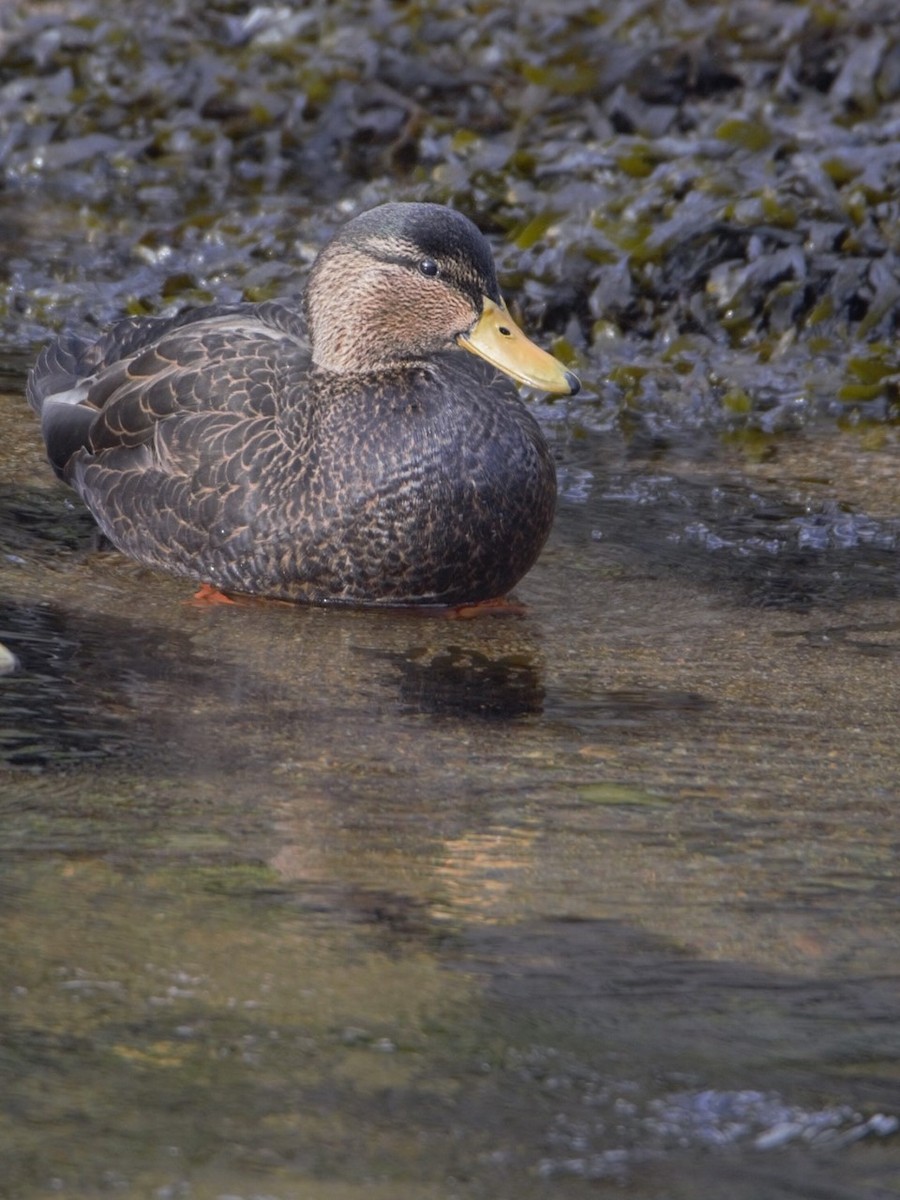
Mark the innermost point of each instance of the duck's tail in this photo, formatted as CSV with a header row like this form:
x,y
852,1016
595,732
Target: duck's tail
x,y
57,387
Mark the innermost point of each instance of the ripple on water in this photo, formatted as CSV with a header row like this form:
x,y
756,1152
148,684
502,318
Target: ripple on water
x,y
708,1119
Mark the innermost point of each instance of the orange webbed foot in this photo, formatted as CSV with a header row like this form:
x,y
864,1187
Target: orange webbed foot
x,y
206,594
500,606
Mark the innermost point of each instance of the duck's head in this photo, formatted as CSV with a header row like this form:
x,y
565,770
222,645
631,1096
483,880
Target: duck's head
x,y
402,282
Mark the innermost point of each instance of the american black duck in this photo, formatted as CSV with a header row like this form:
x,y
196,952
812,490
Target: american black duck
x,y
350,449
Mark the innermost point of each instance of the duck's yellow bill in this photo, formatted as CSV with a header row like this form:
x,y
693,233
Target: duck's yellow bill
x,y
497,338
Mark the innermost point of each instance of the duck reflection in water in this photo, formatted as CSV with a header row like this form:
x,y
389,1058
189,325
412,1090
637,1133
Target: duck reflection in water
x,y
465,682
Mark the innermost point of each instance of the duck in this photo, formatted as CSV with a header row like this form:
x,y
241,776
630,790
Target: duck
x,y
364,444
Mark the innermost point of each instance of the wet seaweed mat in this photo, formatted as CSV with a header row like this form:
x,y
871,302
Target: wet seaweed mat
x,y
699,202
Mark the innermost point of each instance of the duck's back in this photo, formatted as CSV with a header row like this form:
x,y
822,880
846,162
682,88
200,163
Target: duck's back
x,y
208,445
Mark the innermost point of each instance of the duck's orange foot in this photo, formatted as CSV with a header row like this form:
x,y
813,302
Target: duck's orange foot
x,y
501,606
207,594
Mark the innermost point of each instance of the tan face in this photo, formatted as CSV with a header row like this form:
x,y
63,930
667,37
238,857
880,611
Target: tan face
x,y
413,312
366,313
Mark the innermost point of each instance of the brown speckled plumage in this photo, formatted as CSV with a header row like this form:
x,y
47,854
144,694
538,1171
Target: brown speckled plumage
x,y
387,465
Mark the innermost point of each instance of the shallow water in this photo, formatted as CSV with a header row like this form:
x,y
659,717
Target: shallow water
x,y
305,903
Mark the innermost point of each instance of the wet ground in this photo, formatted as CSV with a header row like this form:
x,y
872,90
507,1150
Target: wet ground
x,y
598,900
316,903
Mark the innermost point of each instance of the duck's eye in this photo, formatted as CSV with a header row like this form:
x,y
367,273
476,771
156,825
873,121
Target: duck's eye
x,y
428,266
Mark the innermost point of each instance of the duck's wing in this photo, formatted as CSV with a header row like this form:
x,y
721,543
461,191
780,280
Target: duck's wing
x,y
168,430
186,495
112,393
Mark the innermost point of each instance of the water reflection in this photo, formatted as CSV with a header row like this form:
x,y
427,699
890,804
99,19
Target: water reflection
x,y
82,685
466,682
768,547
